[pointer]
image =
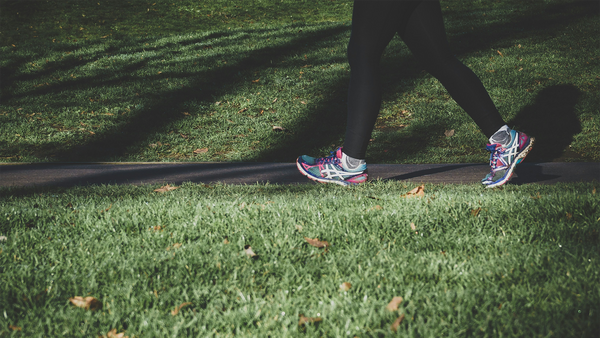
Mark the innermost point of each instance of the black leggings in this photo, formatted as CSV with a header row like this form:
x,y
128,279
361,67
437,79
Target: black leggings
x,y
420,25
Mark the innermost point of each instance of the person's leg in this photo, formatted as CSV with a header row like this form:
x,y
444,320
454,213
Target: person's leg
x,y
374,24
425,36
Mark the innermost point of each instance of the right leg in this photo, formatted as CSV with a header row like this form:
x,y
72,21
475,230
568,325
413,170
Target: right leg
x,y
374,24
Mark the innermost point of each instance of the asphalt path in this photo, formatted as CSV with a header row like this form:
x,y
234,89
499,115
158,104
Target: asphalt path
x,y
74,174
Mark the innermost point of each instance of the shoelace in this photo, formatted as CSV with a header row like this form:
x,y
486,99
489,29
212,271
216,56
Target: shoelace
x,y
496,152
329,159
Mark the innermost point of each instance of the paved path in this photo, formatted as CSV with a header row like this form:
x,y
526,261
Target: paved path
x,y
71,174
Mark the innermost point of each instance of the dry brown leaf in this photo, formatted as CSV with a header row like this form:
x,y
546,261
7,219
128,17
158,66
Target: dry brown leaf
x,y
500,53
377,207
165,188
225,241
316,242
14,328
449,133
157,228
175,246
412,226
255,81
416,192
308,320
69,205
399,320
113,334
242,110
249,252
175,311
278,128
88,303
299,227
393,305
345,286
201,151
274,100
475,212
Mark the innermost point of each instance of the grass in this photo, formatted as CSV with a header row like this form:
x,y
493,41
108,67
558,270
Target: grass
x,y
143,81
519,261
155,81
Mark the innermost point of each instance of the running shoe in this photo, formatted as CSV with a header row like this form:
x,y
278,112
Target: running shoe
x,y
504,159
331,170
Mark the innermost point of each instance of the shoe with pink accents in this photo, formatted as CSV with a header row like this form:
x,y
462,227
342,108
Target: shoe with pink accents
x,y
331,170
504,159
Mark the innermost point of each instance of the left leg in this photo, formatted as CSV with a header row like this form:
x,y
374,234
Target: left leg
x,y
425,36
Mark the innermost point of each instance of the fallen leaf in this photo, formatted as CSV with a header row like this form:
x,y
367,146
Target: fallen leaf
x,y
249,252
393,305
152,145
113,334
184,136
345,286
316,242
14,328
274,100
475,212
278,128
416,192
156,228
175,246
178,308
185,113
165,188
308,320
3,238
399,320
299,227
569,215
88,303
500,53
413,227
594,191
255,81
217,103
201,151
377,207
69,205
449,133
302,102
225,241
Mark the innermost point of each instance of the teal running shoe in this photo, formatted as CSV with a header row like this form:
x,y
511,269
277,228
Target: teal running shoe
x,y
504,159
331,170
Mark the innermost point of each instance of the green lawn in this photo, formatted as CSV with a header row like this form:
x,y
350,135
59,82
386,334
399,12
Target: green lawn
x,y
522,261
143,81
192,80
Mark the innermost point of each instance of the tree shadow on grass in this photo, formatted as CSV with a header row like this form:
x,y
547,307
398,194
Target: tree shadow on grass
x,y
320,127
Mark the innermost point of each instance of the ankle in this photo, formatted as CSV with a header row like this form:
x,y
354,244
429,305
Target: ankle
x,y
351,163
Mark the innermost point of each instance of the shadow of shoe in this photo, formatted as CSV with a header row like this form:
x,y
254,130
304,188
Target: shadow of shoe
x,y
531,173
552,121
